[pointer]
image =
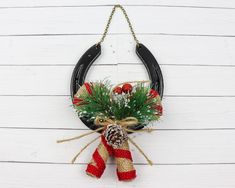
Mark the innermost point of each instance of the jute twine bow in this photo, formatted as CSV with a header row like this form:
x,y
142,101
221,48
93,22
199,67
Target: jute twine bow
x,y
125,123
129,121
105,149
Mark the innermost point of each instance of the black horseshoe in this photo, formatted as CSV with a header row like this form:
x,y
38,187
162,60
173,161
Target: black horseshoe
x,y
87,59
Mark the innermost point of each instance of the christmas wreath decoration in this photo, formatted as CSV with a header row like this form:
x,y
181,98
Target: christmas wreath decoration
x,y
115,111
99,100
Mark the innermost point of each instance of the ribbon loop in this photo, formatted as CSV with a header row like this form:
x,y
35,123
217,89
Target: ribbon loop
x,y
129,121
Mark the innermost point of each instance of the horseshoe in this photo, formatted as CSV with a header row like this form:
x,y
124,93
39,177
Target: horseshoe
x,y
88,58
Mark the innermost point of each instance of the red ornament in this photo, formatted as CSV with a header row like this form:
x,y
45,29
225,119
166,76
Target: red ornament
x,y
117,90
77,101
153,93
159,109
88,87
127,88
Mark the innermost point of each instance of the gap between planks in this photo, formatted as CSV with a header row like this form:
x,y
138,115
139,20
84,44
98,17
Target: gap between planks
x,y
137,164
125,5
103,64
86,129
99,34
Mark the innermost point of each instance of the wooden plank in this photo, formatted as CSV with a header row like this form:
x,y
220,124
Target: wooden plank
x,y
179,80
60,176
208,3
74,20
66,50
56,112
163,147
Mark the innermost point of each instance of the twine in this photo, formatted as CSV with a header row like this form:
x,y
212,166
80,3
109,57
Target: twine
x,y
104,122
129,121
76,156
80,136
141,151
124,123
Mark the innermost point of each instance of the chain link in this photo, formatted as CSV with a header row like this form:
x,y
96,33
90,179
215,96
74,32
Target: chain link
x,y
110,19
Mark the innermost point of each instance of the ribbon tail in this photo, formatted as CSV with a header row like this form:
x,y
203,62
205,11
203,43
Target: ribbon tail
x,y
125,167
96,166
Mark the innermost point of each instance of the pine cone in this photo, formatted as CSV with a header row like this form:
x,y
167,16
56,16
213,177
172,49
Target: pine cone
x,y
115,135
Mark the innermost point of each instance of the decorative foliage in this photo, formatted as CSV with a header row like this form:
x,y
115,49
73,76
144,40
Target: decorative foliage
x,y
130,100
115,110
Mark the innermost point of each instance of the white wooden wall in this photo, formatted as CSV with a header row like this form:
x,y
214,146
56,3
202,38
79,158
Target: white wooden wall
x,y
193,40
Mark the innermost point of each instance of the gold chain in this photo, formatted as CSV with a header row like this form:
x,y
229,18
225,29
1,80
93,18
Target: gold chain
x,y
110,19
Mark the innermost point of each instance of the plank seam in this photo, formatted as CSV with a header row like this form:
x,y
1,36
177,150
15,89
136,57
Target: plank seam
x,y
138,164
98,34
165,96
126,5
112,64
85,129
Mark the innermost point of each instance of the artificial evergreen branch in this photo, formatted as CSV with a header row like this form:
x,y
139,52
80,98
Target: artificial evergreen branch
x,y
99,99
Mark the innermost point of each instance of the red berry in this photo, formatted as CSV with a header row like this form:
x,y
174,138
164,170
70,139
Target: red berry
x,y
117,90
127,88
153,93
159,109
88,87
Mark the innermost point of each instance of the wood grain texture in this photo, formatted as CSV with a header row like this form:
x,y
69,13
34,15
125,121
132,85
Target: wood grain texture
x,y
179,80
66,50
71,20
193,40
163,147
56,112
190,3
46,175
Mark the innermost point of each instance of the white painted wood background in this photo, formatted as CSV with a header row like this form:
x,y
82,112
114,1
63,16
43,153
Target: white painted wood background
x,y
193,40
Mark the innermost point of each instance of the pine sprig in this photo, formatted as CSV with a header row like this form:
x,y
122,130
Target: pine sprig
x,y
143,105
101,101
96,103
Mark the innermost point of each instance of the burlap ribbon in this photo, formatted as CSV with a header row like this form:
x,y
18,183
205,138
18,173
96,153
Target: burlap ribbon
x,y
122,154
129,121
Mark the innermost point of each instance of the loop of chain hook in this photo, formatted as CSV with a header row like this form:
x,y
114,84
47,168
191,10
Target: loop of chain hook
x,y
110,19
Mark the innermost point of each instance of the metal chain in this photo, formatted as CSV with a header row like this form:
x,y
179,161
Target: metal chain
x,y
110,19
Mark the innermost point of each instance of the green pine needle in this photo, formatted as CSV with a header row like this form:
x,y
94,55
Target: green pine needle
x,y
103,102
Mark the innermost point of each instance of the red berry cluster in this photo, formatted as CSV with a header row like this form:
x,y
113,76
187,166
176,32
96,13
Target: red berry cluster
x,y
126,88
152,94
